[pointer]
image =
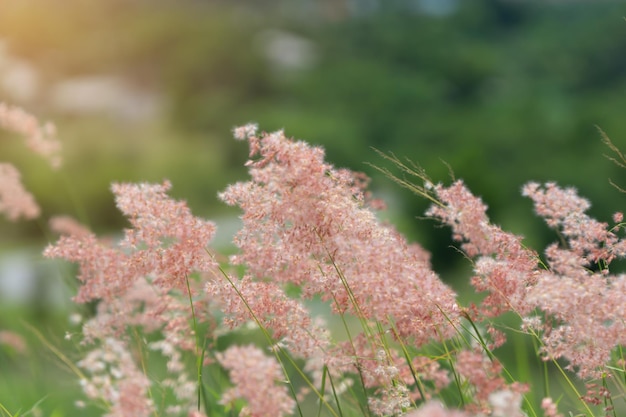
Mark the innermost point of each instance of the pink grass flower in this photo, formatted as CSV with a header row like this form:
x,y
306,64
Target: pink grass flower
x,y
66,225
549,408
312,225
490,390
309,224
145,281
113,376
504,267
246,131
618,217
102,268
288,321
586,302
41,139
167,244
175,241
14,341
156,218
436,409
258,379
286,318
15,201
589,241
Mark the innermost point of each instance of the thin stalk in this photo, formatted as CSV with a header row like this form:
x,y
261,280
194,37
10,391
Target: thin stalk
x,y
332,386
457,378
277,349
200,352
356,358
6,412
405,352
608,400
357,308
144,368
60,355
56,351
413,171
567,379
323,389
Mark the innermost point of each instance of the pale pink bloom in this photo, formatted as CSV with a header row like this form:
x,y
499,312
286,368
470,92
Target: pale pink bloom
x,y
391,400
152,309
506,403
103,269
589,241
309,224
489,388
258,379
114,378
312,225
175,241
590,314
392,396
15,201
383,368
498,337
245,132
67,225
436,409
597,394
589,306
287,319
384,371
13,340
504,267
143,282
549,408
167,243
39,138
618,217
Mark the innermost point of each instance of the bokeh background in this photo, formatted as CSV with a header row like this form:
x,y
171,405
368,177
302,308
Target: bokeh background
x,y
502,91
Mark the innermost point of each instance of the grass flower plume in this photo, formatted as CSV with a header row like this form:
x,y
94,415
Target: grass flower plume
x,y
323,306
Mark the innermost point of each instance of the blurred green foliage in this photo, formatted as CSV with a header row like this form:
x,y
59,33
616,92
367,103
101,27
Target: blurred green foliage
x,y
502,91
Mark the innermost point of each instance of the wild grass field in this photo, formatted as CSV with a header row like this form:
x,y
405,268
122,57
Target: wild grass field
x,y
323,309
446,239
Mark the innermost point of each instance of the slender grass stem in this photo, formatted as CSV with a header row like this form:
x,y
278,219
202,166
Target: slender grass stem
x,y
56,351
418,382
356,357
200,352
276,348
332,386
7,413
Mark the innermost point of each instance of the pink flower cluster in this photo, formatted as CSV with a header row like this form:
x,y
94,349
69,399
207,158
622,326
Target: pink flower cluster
x,y
504,267
144,281
309,224
115,378
584,303
258,379
15,201
587,303
484,375
41,139
311,229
